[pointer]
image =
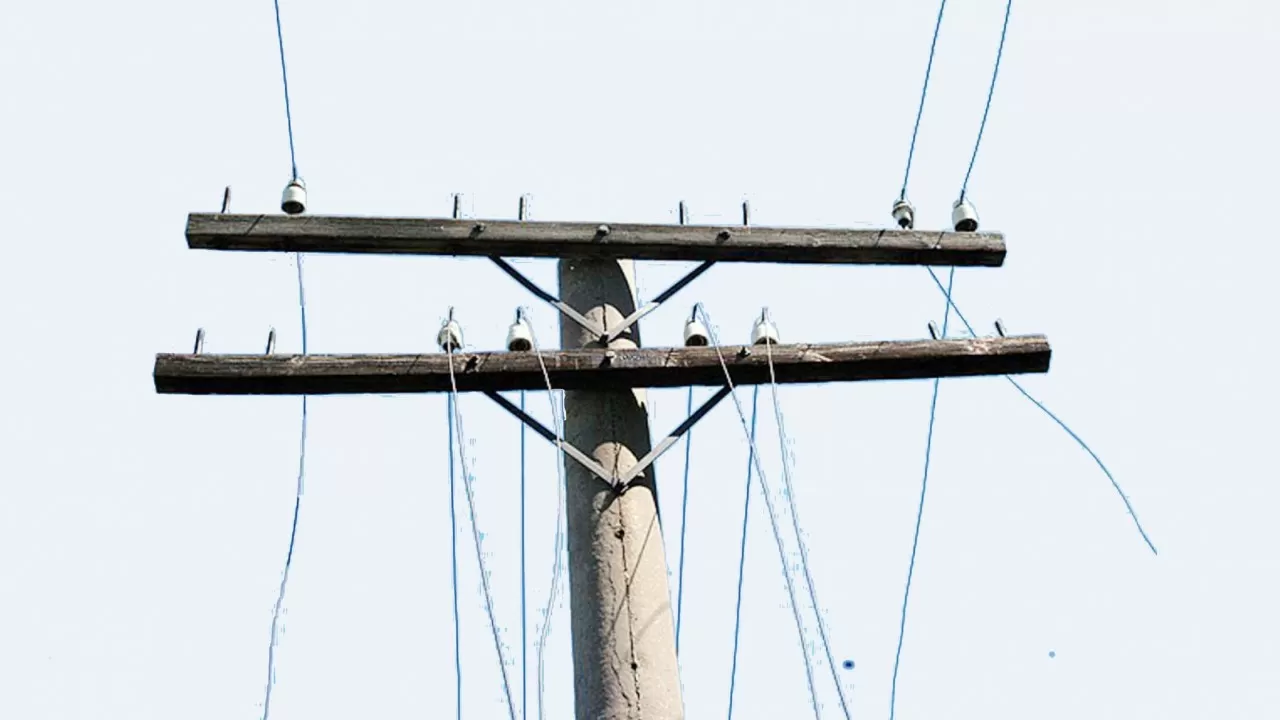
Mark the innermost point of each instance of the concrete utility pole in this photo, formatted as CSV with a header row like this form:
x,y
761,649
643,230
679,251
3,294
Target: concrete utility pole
x,y
624,651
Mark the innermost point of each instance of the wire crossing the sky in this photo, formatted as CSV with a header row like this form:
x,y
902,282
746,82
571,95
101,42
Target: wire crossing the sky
x,y
924,93
742,551
557,566
924,487
790,495
524,607
684,515
288,111
1004,32
453,545
768,503
297,508
1079,440
467,486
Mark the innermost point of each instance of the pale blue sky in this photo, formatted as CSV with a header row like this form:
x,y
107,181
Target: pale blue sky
x,y
1130,158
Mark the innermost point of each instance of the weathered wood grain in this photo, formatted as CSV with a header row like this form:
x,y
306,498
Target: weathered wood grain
x,y
328,234
593,369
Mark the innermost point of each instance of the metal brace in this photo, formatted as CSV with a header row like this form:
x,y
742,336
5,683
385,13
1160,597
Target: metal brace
x,y
606,335
618,483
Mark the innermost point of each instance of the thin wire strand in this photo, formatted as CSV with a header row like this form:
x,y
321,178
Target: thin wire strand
x,y
288,111
1004,31
924,93
467,482
768,502
1079,440
284,74
924,487
684,515
787,472
297,508
524,602
557,567
453,546
742,551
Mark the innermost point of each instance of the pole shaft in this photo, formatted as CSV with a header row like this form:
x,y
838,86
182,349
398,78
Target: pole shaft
x,y
623,632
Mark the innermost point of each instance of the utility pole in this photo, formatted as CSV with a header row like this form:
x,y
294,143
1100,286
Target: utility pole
x,y
623,634
624,652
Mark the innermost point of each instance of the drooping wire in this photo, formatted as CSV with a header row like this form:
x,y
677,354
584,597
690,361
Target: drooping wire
x,y
467,485
1004,31
297,508
790,494
742,551
557,566
924,487
768,502
924,93
453,546
684,515
1074,436
524,605
288,111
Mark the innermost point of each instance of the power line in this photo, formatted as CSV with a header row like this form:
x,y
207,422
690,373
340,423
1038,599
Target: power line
x,y
684,515
1004,31
284,73
742,551
1074,436
524,611
768,502
557,566
453,544
297,508
467,481
924,93
790,495
924,487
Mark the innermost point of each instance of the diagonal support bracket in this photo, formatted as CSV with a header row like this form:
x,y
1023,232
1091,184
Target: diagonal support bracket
x,y
584,459
673,437
606,335
619,483
655,303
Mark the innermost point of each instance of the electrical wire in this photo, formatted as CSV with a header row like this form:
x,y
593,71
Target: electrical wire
x,y
453,546
1074,436
790,494
297,508
924,93
524,606
768,501
742,551
284,73
557,567
684,515
467,482
1004,31
924,487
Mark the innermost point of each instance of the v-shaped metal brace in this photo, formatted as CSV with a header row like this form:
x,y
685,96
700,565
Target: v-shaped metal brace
x,y
618,482
606,335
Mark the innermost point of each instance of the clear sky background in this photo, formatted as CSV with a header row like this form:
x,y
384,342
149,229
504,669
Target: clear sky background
x,y
1130,158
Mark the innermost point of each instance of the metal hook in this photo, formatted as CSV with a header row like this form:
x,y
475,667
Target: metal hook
x,y
271,342
199,346
746,213
524,208
457,205
933,329
682,213
226,199
1000,328
696,307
